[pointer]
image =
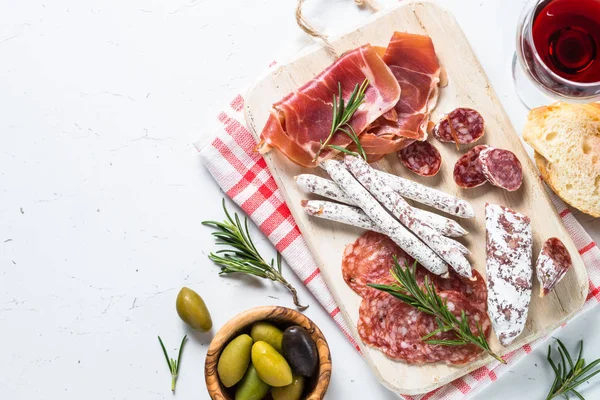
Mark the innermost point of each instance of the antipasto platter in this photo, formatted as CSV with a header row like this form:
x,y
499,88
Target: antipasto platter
x,y
449,185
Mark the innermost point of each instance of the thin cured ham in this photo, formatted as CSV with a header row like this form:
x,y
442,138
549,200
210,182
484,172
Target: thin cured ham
x,y
300,121
414,63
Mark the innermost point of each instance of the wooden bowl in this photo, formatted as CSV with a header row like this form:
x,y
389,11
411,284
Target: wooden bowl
x,y
316,386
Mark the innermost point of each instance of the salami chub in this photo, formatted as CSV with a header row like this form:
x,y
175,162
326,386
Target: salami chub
x,y
468,172
422,158
509,270
552,264
501,168
461,126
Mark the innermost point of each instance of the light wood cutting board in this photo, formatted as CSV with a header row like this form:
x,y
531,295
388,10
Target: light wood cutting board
x,y
468,87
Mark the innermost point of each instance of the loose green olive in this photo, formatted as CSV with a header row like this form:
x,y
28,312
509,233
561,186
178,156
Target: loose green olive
x,y
289,392
192,310
266,332
251,387
299,350
234,360
270,365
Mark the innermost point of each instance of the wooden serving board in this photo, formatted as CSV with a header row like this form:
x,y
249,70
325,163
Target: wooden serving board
x,y
468,87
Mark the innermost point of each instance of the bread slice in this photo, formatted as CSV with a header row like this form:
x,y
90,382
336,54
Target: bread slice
x,y
566,140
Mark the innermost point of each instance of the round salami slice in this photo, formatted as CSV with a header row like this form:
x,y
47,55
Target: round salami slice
x,y
475,290
461,126
421,158
502,168
389,324
369,260
468,171
456,303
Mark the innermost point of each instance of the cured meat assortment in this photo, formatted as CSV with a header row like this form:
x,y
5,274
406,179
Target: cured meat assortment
x,y
301,120
552,264
501,168
396,328
461,126
395,204
422,158
468,172
509,270
388,225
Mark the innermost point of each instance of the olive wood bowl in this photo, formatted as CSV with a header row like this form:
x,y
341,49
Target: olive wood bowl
x,y
315,387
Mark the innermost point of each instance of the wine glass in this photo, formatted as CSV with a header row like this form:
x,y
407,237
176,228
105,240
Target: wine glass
x,y
558,52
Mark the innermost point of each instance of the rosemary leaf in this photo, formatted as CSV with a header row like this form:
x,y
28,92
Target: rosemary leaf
x,y
569,375
428,301
342,113
241,254
171,363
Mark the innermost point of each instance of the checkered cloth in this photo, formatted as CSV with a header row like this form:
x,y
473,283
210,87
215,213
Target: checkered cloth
x,y
245,178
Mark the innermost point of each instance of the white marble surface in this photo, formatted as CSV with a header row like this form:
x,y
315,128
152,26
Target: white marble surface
x,y
101,193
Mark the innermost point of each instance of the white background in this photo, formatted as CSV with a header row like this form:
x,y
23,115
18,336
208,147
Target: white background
x,y
102,194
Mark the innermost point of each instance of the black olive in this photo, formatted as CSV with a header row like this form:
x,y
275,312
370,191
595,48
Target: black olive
x,y
300,350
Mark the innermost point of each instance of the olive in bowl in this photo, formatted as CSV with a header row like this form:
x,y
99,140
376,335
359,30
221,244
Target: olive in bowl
x,y
269,373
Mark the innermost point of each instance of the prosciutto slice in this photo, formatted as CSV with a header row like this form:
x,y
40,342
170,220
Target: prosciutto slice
x,y
414,63
303,118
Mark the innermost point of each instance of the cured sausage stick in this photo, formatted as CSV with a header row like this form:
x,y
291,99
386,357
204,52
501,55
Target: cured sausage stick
x,y
326,188
509,270
388,225
394,203
428,196
339,213
353,216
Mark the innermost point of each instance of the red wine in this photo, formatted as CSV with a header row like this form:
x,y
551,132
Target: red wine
x,y
566,35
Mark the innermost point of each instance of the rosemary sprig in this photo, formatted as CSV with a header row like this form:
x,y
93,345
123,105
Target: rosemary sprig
x,y
428,301
342,113
173,364
242,255
565,380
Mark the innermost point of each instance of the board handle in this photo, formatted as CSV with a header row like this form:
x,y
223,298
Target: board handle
x,y
309,30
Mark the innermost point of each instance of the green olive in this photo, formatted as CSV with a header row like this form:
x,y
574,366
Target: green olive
x,y
251,387
266,332
289,392
234,360
270,365
192,310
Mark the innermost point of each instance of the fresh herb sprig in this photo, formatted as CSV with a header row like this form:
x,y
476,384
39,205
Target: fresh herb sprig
x,y
342,113
428,301
242,255
173,364
569,377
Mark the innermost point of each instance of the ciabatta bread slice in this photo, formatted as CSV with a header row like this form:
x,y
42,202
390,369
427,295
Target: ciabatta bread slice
x,y
566,140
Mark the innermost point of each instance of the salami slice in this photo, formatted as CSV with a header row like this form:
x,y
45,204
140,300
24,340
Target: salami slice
x,y
478,319
474,290
421,158
461,126
552,264
502,168
468,171
389,324
369,260
509,270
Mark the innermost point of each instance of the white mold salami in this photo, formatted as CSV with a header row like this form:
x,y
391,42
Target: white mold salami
x,y
339,213
428,196
552,264
509,270
328,189
501,168
388,225
394,203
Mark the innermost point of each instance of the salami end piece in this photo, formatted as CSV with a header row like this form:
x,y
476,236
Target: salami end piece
x,y
502,168
421,158
461,126
509,270
468,171
552,264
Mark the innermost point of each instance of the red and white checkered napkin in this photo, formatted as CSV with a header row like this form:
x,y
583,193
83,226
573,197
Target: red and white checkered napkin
x,y
244,176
